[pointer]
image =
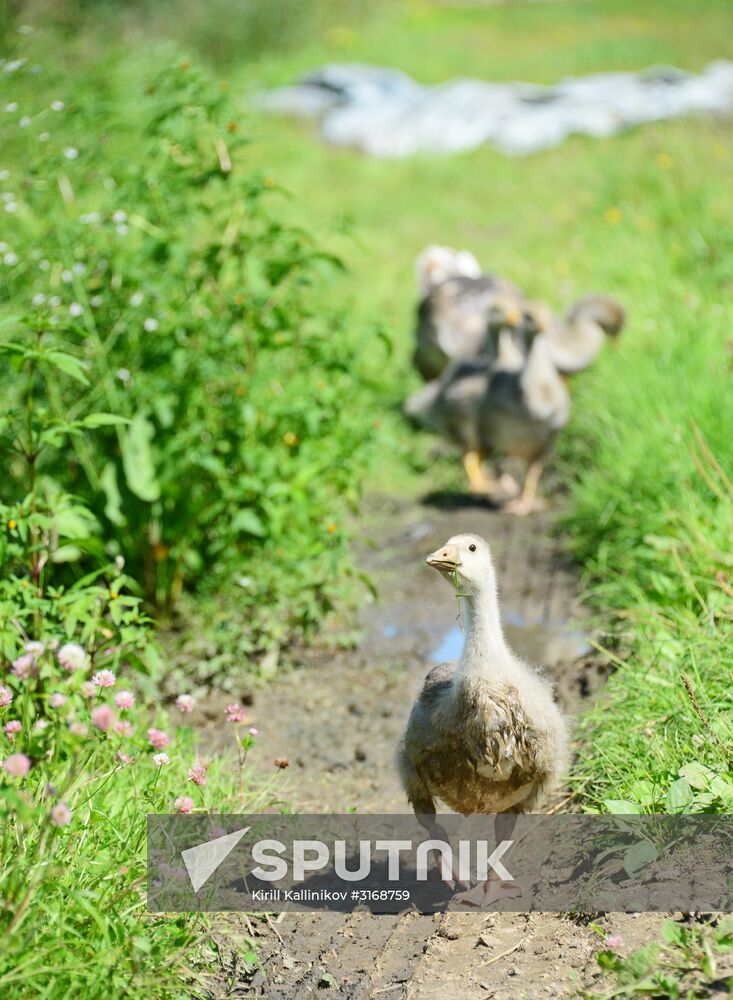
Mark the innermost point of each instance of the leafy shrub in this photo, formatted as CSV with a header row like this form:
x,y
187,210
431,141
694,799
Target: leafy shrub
x,y
146,264
46,527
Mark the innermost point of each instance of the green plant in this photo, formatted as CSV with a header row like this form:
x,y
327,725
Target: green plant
x,y
664,567
682,966
45,527
73,798
82,760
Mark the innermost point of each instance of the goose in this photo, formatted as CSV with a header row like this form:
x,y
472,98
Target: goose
x,y
484,734
512,406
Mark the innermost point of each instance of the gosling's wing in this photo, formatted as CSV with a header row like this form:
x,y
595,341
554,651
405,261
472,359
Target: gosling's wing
x,y
464,387
429,357
545,394
523,410
451,405
504,739
438,684
421,734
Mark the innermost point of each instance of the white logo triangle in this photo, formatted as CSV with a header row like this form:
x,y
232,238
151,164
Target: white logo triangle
x,y
202,861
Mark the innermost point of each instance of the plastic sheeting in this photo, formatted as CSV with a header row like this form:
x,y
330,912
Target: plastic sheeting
x,y
385,113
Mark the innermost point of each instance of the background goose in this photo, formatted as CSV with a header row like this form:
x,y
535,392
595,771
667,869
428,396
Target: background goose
x,y
526,405
451,406
512,406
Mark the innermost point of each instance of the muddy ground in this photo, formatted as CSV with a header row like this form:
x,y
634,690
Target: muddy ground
x,y
338,720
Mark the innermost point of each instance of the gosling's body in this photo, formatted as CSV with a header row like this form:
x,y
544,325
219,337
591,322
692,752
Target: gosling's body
x,y
513,406
484,735
478,745
526,403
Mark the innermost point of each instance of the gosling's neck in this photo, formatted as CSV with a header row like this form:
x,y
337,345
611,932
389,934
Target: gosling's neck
x,y
485,648
583,336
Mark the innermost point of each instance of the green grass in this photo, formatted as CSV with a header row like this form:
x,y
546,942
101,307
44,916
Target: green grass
x,y
74,908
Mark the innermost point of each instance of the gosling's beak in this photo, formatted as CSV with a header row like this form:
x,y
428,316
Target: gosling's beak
x,y
513,316
444,558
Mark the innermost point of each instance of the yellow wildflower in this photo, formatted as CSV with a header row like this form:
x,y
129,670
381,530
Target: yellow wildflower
x,y
340,37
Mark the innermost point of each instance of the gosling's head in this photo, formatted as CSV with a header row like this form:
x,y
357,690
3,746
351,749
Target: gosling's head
x,y
605,310
504,313
512,328
538,317
468,557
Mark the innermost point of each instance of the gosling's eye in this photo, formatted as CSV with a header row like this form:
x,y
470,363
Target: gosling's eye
x,y
471,547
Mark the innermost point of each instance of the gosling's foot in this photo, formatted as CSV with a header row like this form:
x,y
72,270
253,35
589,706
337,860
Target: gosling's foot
x,y
508,485
481,483
522,506
499,490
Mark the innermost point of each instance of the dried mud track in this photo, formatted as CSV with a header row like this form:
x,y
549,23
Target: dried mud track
x,y
338,721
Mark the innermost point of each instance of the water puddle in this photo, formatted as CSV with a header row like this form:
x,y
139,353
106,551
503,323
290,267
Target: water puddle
x,y
539,642
451,646
546,643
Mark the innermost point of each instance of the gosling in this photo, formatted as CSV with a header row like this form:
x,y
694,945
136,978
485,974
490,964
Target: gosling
x,y
485,734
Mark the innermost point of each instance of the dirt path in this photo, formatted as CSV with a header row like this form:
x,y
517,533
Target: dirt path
x,y
338,721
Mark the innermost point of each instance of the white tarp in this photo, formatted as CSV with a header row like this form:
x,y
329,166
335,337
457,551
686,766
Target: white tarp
x,y
385,113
